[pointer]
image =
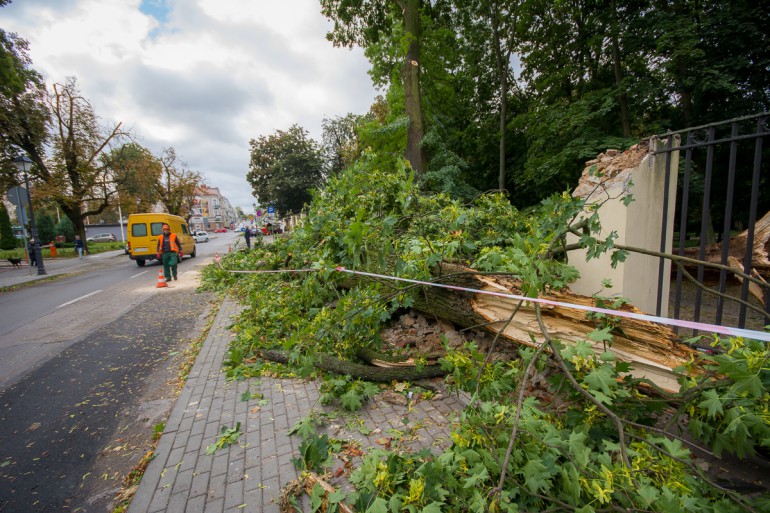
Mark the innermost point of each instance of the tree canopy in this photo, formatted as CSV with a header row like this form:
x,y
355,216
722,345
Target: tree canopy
x,y
284,168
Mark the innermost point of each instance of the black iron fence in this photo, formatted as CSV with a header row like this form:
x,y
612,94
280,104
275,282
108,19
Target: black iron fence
x,y
723,191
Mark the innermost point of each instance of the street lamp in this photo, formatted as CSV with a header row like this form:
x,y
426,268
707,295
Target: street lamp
x,y
22,163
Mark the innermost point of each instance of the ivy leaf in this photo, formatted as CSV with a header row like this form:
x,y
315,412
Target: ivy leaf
x,y
712,403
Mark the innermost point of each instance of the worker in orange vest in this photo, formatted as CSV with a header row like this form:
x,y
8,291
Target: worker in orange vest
x,y
169,252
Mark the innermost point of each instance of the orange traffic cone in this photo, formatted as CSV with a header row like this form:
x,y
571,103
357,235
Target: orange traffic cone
x,y
161,280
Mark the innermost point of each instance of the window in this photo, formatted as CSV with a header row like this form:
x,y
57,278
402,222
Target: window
x,y
156,228
184,229
139,230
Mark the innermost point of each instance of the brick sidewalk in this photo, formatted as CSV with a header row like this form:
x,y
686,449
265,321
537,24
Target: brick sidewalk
x,y
248,476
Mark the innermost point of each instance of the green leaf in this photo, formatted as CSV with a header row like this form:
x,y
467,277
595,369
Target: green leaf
x,y
712,403
317,494
351,400
601,335
578,449
601,379
648,494
379,505
535,475
433,507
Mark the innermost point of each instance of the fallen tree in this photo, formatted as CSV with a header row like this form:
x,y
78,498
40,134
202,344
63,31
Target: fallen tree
x,y
737,246
653,350
371,373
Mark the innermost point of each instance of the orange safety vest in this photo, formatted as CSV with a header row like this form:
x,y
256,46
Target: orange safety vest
x,y
173,242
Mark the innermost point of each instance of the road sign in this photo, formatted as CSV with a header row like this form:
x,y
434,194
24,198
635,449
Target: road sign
x,y
18,196
270,210
259,213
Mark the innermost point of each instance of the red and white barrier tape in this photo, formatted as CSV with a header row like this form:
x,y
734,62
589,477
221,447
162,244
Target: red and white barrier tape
x,y
699,326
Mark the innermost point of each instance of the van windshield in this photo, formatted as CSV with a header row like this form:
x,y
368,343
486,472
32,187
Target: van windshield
x,y
156,228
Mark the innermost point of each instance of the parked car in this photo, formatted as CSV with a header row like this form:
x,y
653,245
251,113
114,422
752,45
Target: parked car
x,y
220,230
201,236
102,237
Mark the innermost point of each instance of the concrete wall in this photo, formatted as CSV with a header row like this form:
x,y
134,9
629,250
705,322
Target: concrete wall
x,y
638,224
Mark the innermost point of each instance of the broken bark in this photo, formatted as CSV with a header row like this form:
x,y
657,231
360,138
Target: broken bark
x,y
653,350
370,373
760,251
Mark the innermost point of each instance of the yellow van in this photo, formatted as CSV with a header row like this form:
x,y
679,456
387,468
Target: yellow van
x,y
143,233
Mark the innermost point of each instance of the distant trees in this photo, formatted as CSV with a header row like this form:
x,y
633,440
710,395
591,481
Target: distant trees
x,y
284,167
177,184
7,237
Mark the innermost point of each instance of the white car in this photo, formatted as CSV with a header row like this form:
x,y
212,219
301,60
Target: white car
x,y
201,236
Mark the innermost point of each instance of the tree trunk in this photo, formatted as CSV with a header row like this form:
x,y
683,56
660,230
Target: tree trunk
x,y
415,153
760,251
502,74
623,100
653,350
369,373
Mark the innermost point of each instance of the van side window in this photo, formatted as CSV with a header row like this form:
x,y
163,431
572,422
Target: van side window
x,y
184,229
156,228
139,230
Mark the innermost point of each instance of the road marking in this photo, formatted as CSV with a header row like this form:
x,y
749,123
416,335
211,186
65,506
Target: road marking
x,y
78,299
141,273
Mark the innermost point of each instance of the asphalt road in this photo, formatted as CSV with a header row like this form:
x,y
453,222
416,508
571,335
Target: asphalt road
x,y
40,320
84,384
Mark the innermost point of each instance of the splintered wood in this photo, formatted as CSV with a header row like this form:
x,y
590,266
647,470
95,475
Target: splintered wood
x,y
652,350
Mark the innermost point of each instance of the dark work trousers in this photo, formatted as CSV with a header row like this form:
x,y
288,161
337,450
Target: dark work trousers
x,y
170,260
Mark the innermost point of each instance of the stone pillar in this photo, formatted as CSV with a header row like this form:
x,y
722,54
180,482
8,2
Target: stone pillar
x,y
607,180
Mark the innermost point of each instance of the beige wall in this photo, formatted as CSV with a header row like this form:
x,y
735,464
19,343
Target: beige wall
x,y
637,225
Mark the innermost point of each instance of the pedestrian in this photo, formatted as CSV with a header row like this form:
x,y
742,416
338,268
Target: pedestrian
x,y
247,236
31,251
169,252
79,246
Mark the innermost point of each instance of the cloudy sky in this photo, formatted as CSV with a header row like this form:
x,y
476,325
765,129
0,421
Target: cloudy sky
x,y
202,76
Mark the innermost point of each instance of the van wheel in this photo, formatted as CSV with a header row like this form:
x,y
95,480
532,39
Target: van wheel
x,y
140,262
192,255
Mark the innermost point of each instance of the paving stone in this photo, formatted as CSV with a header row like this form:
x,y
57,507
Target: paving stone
x,y
247,476
234,494
200,484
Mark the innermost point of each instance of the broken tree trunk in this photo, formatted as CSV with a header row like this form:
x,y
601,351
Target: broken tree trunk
x,y
370,373
760,258
652,349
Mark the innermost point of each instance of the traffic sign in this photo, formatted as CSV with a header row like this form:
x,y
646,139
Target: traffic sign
x,y
259,213
18,196
270,210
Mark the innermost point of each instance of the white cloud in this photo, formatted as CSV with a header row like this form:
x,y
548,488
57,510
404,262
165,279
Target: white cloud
x,y
205,78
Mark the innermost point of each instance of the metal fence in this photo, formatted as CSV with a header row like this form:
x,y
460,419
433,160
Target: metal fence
x,y
723,186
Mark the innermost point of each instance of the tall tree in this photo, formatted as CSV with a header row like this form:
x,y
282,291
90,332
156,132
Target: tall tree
x,y
177,184
7,238
78,178
340,142
136,173
284,167
364,23
489,31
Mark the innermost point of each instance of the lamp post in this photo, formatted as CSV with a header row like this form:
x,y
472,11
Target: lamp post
x,y
22,163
